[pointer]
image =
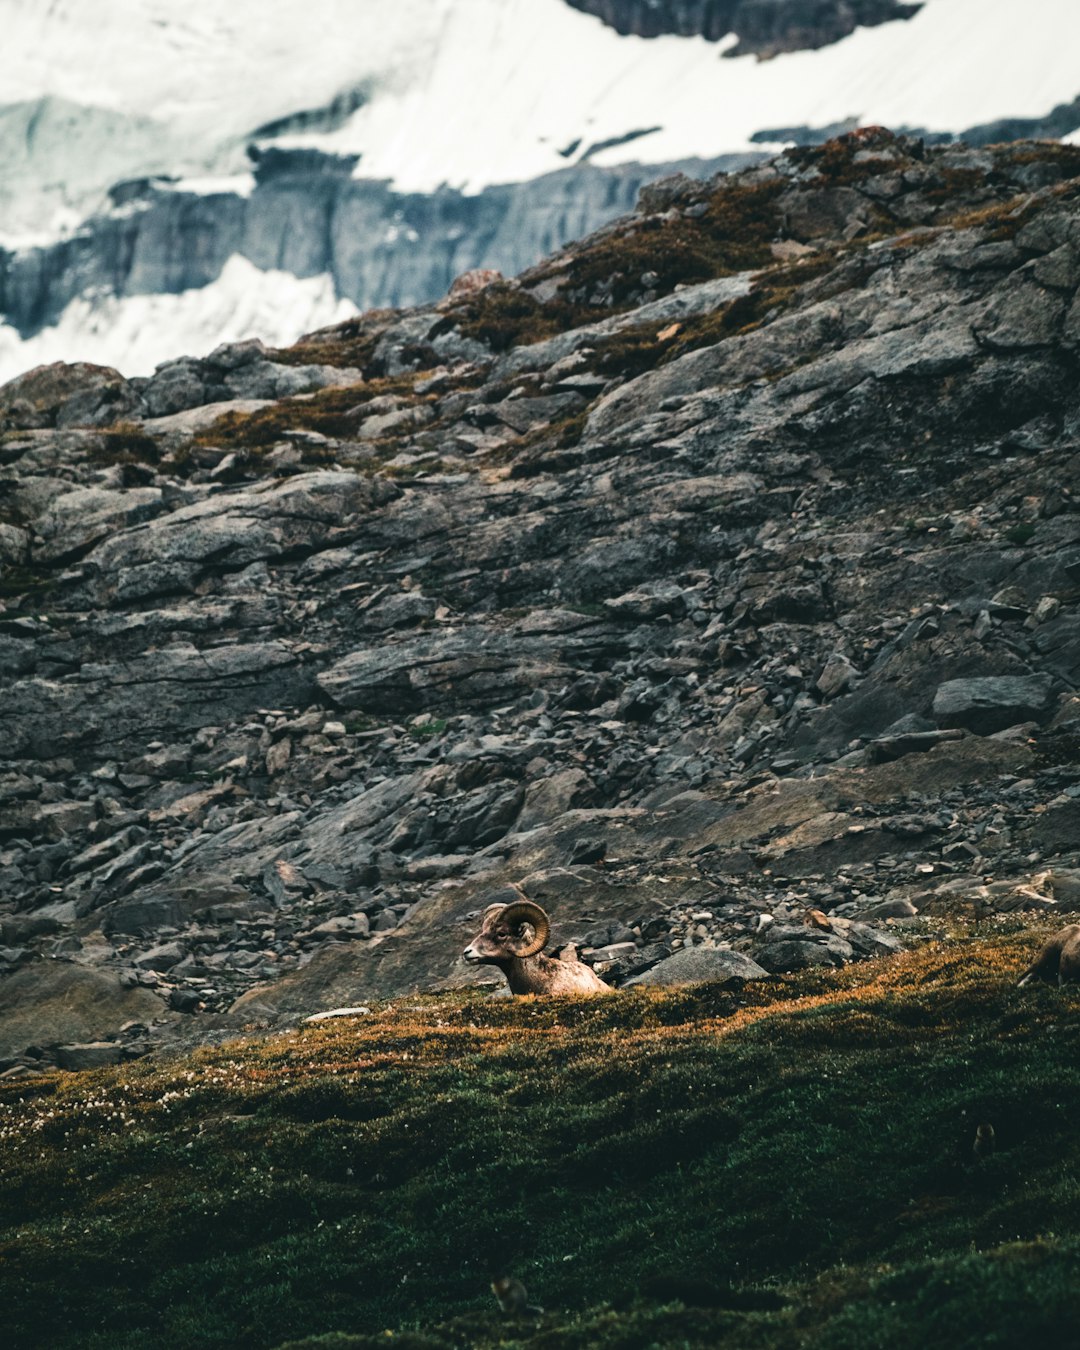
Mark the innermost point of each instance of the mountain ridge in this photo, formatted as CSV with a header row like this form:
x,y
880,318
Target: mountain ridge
x,y
191,100
762,27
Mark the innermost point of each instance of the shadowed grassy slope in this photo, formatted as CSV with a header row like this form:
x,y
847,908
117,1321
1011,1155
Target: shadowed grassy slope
x,y
812,1135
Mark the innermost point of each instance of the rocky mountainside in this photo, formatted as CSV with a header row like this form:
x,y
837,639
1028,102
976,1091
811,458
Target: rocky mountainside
x,y
716,580
764,27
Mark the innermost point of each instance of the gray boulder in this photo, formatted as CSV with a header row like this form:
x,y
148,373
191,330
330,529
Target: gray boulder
x,y
66,394
779,957
467,669
993,702
695,965
175,387
91,1055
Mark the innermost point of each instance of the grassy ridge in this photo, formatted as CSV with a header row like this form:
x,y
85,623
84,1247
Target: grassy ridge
x,y
811,1137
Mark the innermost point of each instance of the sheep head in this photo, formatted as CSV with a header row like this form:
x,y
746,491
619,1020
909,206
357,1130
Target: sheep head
x,y
518,929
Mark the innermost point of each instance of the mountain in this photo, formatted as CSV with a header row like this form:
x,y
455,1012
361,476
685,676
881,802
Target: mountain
x,y
719,569
201,165
764,27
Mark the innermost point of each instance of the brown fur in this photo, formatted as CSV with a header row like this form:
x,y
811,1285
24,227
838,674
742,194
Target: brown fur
x,y
985,1142
1059,959
512,1298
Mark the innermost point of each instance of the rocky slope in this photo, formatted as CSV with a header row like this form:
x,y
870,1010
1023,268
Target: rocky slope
x,y
715,579
306,216
765,27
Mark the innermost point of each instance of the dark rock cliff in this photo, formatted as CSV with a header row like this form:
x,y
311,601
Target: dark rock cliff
x,y
766,27
308,216
718,580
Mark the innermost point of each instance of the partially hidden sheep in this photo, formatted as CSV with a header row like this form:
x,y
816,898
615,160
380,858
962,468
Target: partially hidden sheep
x,y
512,936
1059,959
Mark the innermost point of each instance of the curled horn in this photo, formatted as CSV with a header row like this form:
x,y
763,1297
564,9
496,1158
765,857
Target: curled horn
x,y
489,910
521,916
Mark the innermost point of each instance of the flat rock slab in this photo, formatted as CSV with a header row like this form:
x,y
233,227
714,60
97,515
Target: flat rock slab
x,y
168,692
198,419
695,965
53,1003
994,702
473,669
334,976
252,524
78,519
91,1055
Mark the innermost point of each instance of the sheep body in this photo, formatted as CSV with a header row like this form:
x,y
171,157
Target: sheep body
x,y
512,936
1059,959
512,1297
985,1142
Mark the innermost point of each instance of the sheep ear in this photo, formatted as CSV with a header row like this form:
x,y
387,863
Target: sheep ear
x,y
529,927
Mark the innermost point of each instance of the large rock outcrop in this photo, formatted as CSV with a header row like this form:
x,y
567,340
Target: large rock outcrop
x,y
309,216
766,27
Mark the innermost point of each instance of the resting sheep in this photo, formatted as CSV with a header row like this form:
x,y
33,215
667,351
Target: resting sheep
x,y
512,936
1059,959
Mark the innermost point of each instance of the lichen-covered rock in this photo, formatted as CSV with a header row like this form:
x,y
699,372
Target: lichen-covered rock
x,y
67,394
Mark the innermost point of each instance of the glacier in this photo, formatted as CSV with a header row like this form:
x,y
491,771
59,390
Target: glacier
x,y
136,333
470,93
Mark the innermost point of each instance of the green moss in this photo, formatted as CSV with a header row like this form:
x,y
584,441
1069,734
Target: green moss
x,y
810,1136
426,731
503,315
125,443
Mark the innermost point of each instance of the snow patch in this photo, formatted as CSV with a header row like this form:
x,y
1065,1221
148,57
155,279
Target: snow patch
x,y
136,333
237,184
476,92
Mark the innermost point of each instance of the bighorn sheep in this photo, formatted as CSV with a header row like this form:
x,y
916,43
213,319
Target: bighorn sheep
x,y
511,1296
1059,958
512,936
985,1143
